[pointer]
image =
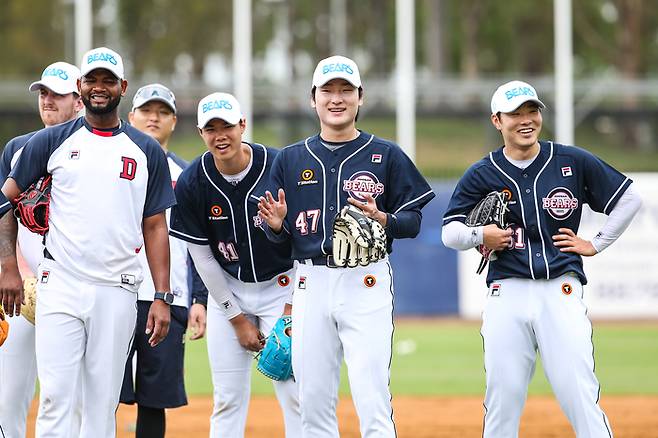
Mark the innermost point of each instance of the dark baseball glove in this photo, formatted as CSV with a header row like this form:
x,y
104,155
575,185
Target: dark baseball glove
x,y
491,209
357,239
32,206
275,360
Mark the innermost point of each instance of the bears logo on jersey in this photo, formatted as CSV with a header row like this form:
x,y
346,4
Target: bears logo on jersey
x,y
560,203
363,183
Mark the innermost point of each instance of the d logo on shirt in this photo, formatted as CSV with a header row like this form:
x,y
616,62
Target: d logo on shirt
x,y
129,168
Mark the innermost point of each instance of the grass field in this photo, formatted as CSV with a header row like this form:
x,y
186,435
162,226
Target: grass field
x,y
444,357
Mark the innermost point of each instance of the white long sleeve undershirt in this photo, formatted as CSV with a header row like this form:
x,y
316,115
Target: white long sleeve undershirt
x,y
212,275
457,235
618,220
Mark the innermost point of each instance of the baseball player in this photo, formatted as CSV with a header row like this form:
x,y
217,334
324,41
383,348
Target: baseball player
x,y
158,381
58,102
535,299
249,278
110,190
341,311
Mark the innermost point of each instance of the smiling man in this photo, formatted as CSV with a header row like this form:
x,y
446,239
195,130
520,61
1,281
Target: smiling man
x,y
247,276
535,300
110,189
339,311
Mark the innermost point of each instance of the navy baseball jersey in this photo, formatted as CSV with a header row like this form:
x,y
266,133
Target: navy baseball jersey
x,y
212,211
317,182
101,180
547,195
10,155
31,244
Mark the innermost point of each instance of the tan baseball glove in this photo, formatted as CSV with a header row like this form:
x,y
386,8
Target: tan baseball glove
x,y
29,308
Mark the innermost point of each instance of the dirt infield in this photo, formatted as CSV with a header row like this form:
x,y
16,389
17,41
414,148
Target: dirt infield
x,y
431,417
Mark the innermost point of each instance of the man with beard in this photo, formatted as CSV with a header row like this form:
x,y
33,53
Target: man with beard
x,y
110,189
59,102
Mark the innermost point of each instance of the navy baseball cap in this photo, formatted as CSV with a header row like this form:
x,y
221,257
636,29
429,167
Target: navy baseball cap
x,y
157,92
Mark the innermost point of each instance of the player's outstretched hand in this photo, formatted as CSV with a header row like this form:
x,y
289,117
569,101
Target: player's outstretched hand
x,y
197,321
568,241
11,290
249,336
157,323
273,211
496,239
369,208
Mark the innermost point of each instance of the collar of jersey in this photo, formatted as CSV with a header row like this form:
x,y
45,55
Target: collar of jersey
x,y
104,132
257,154
357,142
534,167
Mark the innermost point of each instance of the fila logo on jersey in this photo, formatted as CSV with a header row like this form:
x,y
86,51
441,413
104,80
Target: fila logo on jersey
x,y
74,154
560,203
45,275
566,171
216,213
301,284
362,183
283,280
376,158
495,290
307,178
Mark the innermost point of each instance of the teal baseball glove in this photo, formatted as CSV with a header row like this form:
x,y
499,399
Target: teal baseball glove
x,y
275,360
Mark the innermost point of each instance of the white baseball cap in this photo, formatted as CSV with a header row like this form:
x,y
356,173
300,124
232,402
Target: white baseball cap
x,y
512,95
336,67
218,106
102,57
151,92
60,77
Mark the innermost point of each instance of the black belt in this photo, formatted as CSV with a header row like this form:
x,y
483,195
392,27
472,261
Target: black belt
x,y
47,254
327,261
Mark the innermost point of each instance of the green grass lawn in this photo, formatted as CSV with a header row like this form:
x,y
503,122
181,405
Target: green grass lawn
x,y
445,358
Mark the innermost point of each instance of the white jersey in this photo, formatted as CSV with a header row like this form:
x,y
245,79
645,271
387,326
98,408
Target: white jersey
x,y
178,257
102,182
